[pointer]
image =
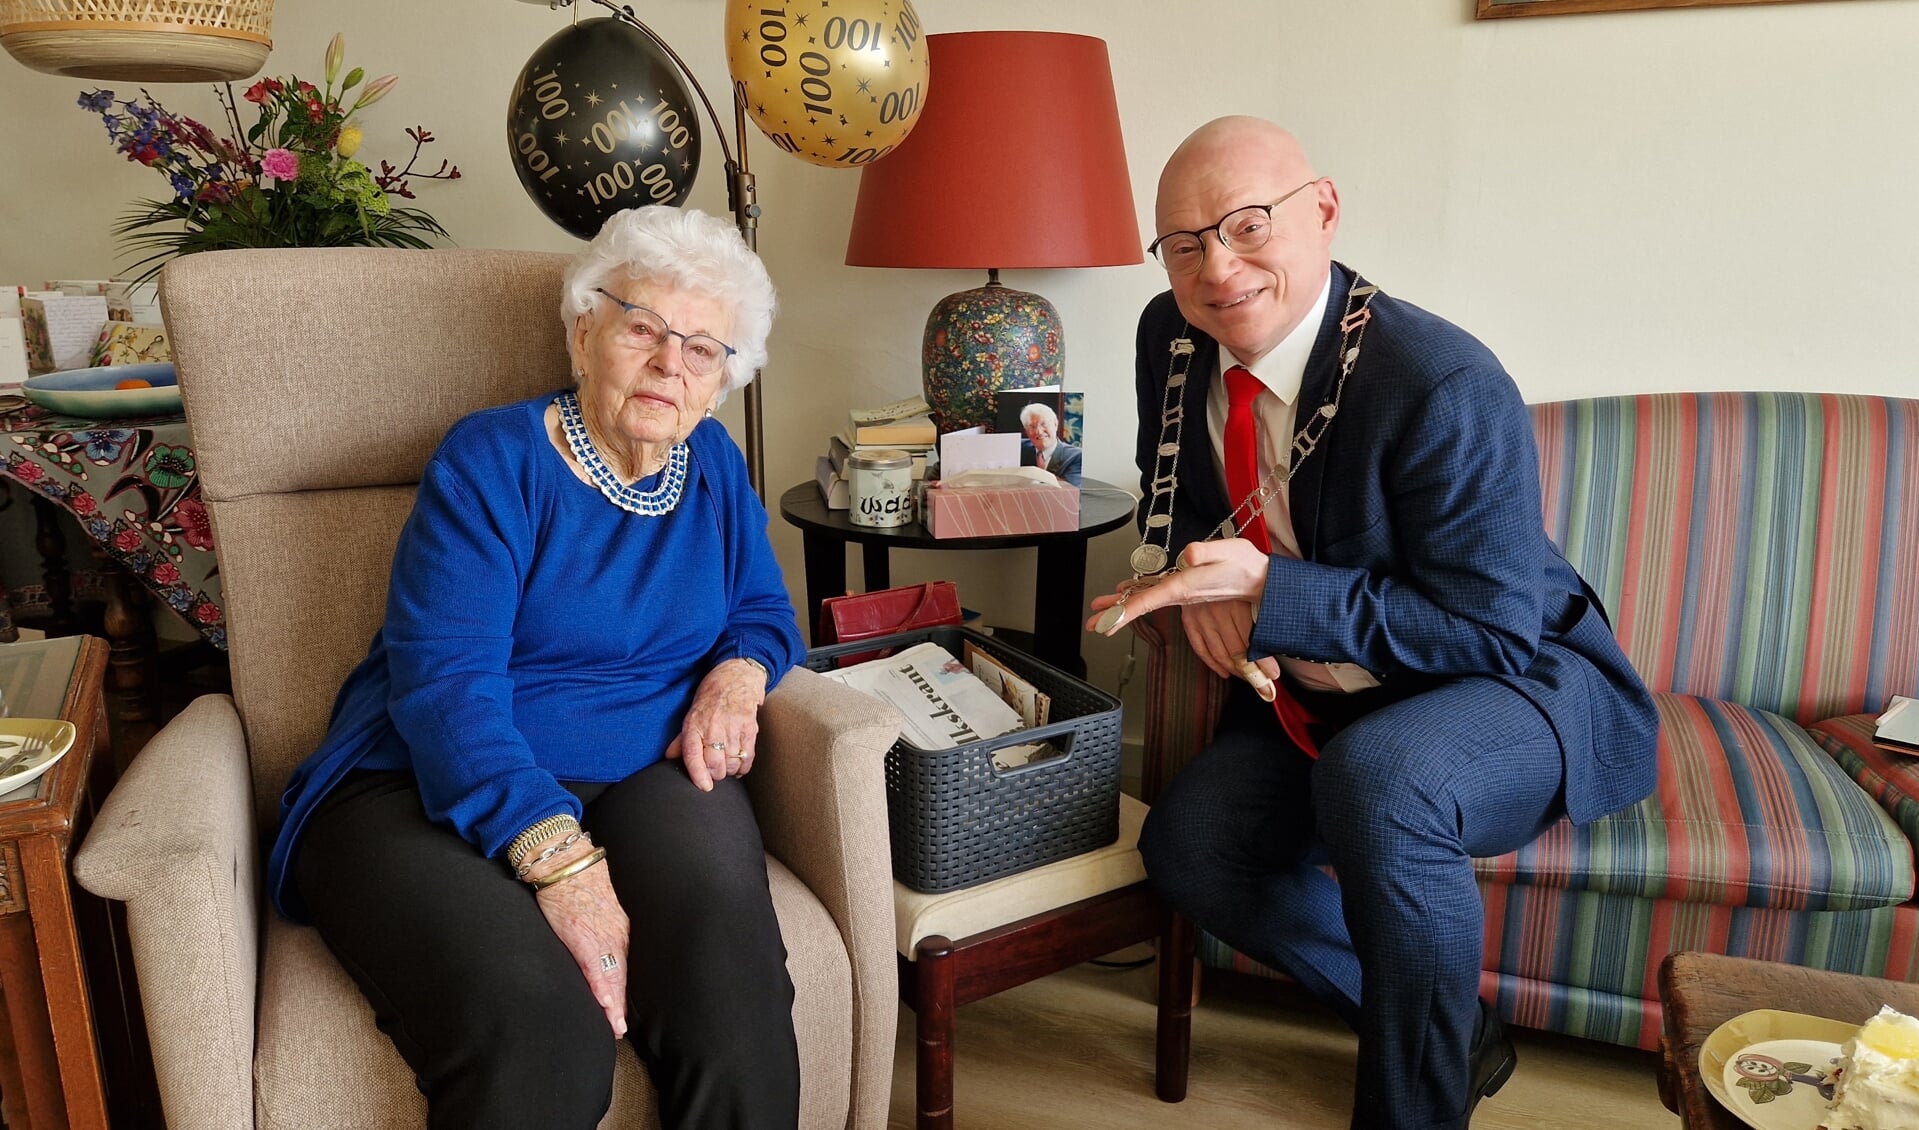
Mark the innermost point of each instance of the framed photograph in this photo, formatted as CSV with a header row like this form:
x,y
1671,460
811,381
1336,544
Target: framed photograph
x,y
1497,9
1039,417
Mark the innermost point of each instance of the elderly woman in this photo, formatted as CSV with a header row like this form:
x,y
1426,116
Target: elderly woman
x,y
548,733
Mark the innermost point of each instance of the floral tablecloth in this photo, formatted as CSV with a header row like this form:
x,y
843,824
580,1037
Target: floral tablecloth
x,y
133,486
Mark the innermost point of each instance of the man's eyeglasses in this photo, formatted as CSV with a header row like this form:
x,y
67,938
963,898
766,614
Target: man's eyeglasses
x,y
702,354
1240,231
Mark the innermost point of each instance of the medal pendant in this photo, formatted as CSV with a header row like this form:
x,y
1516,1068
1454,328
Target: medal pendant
x,y
1148,559
1109,619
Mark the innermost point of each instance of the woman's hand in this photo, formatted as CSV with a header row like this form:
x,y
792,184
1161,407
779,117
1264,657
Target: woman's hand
x,y
717,739
587,917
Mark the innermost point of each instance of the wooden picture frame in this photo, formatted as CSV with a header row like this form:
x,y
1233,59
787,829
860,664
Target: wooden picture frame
x,y
1500,9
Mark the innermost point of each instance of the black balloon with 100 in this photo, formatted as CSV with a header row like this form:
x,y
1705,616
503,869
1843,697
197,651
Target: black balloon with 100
x,y
600,120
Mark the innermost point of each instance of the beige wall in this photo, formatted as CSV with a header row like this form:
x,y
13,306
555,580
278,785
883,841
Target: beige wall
x,y
1713,198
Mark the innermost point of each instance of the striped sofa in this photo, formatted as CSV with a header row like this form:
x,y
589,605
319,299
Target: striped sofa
x,y
1759,554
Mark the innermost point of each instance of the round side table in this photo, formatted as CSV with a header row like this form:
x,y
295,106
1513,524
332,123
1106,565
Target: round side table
x,y
1059,590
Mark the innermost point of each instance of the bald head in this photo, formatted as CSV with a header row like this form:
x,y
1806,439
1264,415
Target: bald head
x,y
1239,144
1248,298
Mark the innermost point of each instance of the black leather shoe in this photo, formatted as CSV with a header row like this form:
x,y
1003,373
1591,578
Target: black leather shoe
x,y
1493,1059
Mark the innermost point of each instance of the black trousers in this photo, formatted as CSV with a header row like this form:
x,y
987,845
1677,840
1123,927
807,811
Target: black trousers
x,y
490,1010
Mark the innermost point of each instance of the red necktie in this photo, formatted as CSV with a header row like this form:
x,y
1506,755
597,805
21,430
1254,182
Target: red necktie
x,y
1242,478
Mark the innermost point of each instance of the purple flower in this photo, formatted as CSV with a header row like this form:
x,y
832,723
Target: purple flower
x,y
103,445
280,164
97,100
183,186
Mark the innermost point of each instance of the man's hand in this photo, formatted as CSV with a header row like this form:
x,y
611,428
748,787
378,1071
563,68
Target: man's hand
x,y
1219,634
717,739
1209,572
1219,585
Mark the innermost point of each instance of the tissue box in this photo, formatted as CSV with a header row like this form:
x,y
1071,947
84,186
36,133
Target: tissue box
x,y
984,512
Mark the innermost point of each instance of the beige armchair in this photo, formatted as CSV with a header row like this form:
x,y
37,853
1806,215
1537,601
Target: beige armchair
x,y
317,383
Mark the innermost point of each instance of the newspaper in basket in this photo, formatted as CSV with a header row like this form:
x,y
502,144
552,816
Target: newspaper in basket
x,y
972,792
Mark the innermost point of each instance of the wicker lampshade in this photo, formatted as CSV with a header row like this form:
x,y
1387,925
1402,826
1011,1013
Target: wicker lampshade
x,y
139,40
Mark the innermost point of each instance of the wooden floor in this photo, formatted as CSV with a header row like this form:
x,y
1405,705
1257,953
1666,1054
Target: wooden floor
x,y
1076,1049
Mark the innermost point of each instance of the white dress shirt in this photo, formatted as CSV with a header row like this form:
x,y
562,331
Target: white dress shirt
x,y
1282,371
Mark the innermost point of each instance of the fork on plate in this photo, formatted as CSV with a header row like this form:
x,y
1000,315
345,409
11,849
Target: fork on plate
x,y
28,748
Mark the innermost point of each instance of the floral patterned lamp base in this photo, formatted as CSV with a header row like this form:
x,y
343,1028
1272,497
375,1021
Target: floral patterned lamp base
x,y
980,341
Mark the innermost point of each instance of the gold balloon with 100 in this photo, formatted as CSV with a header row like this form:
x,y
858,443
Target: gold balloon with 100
x,y
837,83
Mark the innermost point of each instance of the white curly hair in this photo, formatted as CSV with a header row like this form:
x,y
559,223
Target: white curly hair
x,y
685,249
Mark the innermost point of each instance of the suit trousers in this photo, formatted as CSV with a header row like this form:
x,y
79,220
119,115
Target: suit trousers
x,y
490,1010
1399,802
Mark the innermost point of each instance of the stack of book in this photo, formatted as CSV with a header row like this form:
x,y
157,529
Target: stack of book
x,y
904,425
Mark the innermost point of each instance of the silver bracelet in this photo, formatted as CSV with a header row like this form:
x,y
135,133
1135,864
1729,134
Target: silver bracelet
x,y
551,850
764,673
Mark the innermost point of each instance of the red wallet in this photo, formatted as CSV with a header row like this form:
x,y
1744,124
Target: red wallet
x,y
858,616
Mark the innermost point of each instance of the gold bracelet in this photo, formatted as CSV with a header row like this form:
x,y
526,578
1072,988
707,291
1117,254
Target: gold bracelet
x,y
570,870
536,834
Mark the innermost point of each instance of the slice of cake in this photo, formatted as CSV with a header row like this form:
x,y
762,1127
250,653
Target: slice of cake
x,y
1876,1086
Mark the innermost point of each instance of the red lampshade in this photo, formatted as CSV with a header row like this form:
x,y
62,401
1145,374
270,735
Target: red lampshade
x,y
1016,162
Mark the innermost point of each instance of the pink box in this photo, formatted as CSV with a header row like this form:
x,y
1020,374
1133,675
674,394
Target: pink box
x,y
984,512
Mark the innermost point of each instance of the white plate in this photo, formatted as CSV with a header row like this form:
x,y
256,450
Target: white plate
x,y
90,392
59,735
1770,1067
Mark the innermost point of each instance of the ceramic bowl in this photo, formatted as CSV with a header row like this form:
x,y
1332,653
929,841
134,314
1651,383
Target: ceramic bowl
x,y
90,392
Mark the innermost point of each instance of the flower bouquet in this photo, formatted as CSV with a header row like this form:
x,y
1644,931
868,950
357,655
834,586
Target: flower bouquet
x,y
289,180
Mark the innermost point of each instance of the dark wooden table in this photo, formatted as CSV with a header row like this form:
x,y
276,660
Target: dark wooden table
x,y
1059,590
52,1079
1704,990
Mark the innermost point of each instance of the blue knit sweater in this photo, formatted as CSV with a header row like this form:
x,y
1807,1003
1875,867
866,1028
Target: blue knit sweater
x,y
537,633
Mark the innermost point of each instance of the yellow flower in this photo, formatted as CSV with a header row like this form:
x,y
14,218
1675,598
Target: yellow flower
x,y
350,141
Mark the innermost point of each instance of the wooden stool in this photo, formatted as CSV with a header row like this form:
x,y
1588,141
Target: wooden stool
x,y
1026,926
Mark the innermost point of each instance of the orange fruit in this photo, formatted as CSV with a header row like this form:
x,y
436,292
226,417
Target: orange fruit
x,y
133,382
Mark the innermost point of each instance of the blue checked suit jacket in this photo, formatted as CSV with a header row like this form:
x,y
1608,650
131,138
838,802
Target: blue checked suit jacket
x,y
1424,554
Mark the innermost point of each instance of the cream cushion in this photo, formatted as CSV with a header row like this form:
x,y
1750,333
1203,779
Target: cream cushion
x,y
975,910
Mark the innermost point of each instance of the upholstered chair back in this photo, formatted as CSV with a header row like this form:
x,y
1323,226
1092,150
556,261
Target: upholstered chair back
x,y
308,463
1755,547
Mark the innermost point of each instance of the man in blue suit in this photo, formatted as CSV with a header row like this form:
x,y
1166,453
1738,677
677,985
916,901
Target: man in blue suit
x,y
1042,446
1425,678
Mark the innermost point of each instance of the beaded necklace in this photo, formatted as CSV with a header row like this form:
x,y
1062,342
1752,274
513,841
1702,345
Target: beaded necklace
x,y
627,496
1149,559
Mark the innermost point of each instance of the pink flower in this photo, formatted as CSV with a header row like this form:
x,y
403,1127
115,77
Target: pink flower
x,y
166,572
126,541
280,164
195,527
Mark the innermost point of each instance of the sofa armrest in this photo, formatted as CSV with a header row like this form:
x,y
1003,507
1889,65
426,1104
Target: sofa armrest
x,y
1183,701
819,790
175,842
